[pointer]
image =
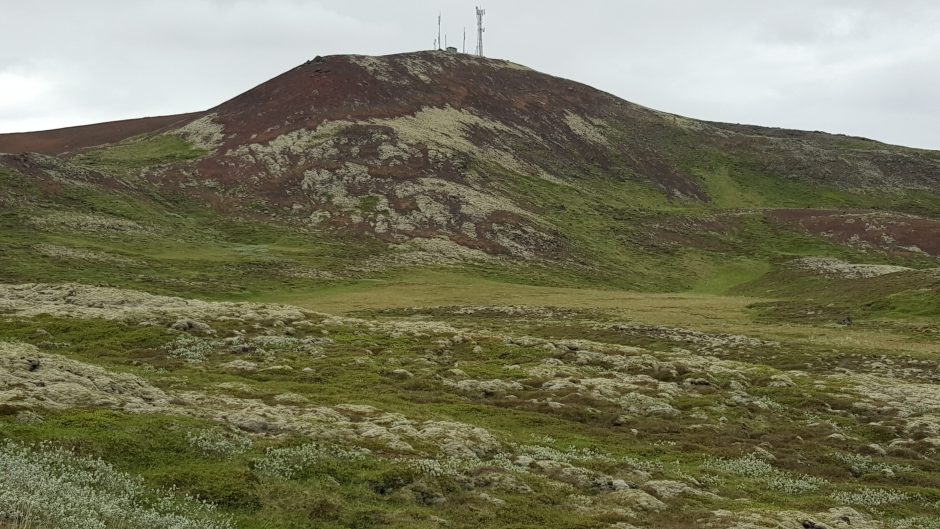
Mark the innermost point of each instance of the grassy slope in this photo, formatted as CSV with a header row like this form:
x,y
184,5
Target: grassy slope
x,y
614,227
139,153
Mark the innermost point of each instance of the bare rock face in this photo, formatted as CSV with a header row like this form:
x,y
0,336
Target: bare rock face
x,y
31,378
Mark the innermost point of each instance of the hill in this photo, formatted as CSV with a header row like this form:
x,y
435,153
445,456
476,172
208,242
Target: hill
x,y
436,290
487,156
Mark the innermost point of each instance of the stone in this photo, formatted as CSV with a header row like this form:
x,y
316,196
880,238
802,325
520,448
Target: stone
x,y
619,484
291,398
491,499
191,326
240,365
28,417
666,489
634,499
781,381
487,388
764,454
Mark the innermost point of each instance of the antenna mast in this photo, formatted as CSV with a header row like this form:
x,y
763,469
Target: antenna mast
x,y
465,40
438,30
480,30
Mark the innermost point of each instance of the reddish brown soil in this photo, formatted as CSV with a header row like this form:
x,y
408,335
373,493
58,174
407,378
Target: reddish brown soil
x,y
337,88
895,233
71,139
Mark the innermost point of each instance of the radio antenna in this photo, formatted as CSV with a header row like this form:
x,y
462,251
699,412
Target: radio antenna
x,y
480,30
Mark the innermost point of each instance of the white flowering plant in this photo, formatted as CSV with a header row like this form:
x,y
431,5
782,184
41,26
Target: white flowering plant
x,y
49,487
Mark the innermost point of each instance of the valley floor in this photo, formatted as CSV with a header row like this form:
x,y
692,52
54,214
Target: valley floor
x,y
387,403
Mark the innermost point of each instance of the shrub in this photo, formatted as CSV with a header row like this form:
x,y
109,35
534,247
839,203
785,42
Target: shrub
x,y
287,463
871,497
457,467
219,443
52,488
864,464
750,466
190,348
288,344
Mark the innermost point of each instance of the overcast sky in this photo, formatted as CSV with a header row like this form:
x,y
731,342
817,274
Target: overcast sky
x,y
863,67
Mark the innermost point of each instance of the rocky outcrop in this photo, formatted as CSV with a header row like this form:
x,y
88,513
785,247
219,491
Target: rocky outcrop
x,y
33,379
73,300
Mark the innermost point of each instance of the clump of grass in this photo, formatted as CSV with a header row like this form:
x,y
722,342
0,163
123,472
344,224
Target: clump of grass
x,y
146,152
751,466
869,497
219,443
289,462
52,488
195,349
864,464
192,349
918,522
459,467
309,345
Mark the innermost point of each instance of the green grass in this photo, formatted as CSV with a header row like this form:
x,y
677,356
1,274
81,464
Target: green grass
x,y
368,204
741,181
918,303
186,250
907,296
141,152
724,277
379,492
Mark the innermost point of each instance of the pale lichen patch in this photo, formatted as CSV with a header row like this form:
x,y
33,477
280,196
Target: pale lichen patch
x,y
72,300
589,129
203,133
377,66
445,127
55,251
837,268
90,223
32,378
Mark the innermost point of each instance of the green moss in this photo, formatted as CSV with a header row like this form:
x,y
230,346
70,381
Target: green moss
x,y
142,152
368,204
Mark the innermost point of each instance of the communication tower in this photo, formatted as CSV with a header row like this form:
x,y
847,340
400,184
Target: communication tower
x,y
480,30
